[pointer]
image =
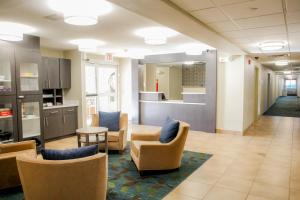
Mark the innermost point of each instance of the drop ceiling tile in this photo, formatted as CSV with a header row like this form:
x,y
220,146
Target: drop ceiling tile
x,y
191,5
292,5
293,17
210,15
294,28
253,8
261,21
241,41
227,2
280,37
224,26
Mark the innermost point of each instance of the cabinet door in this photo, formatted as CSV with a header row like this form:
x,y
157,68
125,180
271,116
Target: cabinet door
x,y
44,73
28,64
30,117
7,70
53,123
53,73
69,120
8,119
65,73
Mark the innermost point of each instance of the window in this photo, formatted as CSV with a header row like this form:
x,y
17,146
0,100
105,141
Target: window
x,y
101,89
290,84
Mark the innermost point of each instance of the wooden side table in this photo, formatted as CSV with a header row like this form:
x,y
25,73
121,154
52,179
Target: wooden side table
x,y
100,133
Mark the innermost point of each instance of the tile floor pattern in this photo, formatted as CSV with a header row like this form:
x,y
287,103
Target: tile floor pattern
x,y
263,165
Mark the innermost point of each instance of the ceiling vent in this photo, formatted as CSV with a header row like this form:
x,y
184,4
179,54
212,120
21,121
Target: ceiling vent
x,y
54,17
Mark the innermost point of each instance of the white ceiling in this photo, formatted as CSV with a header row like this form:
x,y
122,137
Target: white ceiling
x,y
249,22
115,28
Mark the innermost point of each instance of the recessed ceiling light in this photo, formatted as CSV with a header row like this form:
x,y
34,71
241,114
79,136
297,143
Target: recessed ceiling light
x,y
272,46
155,35
81,12
11,31
87,45
281,63
194,48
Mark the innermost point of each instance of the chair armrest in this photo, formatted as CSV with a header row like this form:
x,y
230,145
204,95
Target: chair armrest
x,y
18,146
154,136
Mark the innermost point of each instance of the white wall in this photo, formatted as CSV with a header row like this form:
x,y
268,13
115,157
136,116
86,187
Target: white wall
x,y
125,86
230,95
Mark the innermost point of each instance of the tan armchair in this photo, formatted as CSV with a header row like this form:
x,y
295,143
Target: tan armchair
x,y
80,179
9,176
116,140
148,153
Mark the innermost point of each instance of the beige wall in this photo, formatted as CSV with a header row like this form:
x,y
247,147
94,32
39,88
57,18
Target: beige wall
x,y
175,85
47,52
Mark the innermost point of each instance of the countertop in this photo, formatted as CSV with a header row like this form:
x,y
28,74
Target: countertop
x,y
61,106
173,102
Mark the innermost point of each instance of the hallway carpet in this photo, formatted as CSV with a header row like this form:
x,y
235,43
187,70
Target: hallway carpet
x,y
285,106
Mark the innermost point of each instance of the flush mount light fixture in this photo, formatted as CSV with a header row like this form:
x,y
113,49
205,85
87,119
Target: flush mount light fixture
x,y
11,31
281,63
287,72
155,35
188,63
81,12
194,48
87,45
272,46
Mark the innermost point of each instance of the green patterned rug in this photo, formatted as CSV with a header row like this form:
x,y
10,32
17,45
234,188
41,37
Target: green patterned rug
x,y
125,183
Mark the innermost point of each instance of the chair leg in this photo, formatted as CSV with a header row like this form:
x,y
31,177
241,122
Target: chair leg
x,y
121,151
142,173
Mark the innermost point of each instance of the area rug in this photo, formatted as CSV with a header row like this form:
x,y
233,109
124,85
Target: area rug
x,y
288,106
125,183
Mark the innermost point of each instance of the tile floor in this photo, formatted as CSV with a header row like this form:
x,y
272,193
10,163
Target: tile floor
x,y
263,165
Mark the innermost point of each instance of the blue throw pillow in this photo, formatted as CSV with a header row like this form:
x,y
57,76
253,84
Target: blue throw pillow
x,y
51,154
110,120
169,130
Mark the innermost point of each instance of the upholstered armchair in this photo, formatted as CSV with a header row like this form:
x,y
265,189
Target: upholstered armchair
x,y
9,176
81,179
117,140
148,153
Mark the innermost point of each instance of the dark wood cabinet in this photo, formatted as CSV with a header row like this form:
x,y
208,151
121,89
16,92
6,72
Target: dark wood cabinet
x,y
60,122
70,120
50,71
53,123
28,71
65,73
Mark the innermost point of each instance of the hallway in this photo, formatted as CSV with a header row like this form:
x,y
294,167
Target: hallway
x,y
288,106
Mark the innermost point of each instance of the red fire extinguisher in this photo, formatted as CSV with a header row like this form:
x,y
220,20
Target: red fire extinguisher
x,y
156,85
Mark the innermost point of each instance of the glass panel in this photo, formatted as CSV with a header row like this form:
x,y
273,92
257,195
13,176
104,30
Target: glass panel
x,y
107,89
90,80
6,123
5,76
29,77
31,119
91,107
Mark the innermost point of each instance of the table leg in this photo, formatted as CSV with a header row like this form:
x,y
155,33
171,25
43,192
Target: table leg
x,y
97,141
78,140
106,143
87,140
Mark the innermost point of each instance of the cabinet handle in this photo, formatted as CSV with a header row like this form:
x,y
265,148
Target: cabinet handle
x,y
47,121
71,110
49,83
53,112
64,119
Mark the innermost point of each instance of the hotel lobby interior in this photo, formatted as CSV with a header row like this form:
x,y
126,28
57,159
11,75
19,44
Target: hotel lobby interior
x,y
150,99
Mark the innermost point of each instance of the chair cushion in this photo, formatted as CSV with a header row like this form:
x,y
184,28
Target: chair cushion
x,y
51,154
110,120
169,130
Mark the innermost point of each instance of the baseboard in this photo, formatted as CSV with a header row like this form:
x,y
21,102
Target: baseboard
x,y
229,132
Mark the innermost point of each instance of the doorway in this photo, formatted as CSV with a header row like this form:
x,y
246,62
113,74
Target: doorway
x,y
256,94
269,90
291,87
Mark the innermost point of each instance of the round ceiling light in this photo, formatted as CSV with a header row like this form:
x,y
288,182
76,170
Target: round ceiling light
x,y
81,12
282,63
194,48
155,35
10,31
272,46
87,45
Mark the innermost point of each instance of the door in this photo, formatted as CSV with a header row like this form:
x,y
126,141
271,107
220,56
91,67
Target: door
x,y
65,73
256,94
53,125
30,117
44,72
28,75
7,71
8,119
69,120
